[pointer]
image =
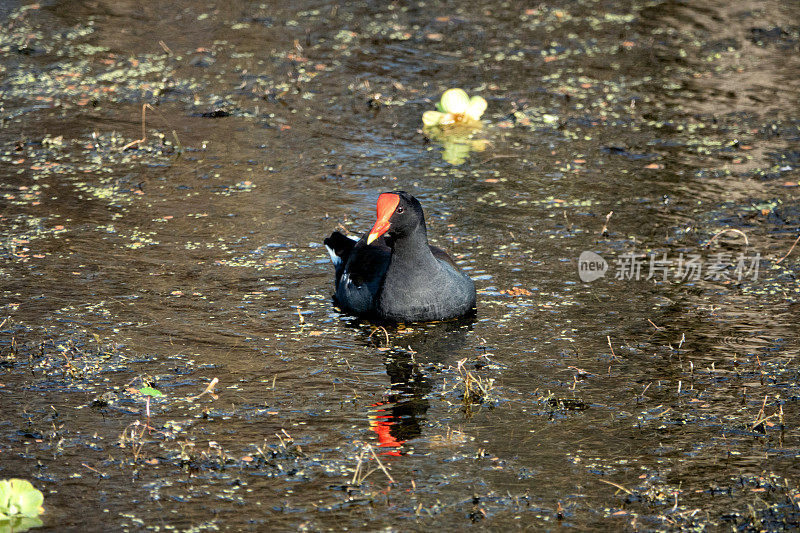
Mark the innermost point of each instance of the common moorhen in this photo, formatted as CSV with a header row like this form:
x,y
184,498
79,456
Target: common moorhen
x,y
391,273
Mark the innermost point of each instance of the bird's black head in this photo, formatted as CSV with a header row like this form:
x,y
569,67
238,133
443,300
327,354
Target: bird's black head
x,y
399,214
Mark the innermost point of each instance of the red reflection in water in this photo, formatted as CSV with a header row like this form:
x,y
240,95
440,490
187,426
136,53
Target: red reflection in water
x,y
381,422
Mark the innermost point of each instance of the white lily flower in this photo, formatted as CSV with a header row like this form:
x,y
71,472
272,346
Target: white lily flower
x,y
455,101
454,107
477,105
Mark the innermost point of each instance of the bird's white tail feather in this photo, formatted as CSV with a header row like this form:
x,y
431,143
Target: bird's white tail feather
x,y
335,259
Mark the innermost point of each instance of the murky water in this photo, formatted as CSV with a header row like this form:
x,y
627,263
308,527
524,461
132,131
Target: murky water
x,y
195,254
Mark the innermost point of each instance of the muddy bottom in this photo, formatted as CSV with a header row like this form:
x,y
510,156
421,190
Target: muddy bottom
x,y
170,358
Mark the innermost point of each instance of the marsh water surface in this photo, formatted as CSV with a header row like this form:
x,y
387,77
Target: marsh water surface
x,y
646,399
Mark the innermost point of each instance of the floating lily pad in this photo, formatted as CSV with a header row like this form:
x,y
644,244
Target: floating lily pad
x,y
150,391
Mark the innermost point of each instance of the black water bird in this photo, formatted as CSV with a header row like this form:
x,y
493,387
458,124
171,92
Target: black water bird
x,y
391,273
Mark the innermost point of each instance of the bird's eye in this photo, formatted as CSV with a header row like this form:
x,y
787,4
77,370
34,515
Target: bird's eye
x,y
400,210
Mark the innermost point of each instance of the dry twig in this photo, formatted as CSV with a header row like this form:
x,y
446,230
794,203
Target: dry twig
x,y
210,390
144,131
790,250
620,487
604,231
722,232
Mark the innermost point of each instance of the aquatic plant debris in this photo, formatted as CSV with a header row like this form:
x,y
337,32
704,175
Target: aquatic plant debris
x,y
20,505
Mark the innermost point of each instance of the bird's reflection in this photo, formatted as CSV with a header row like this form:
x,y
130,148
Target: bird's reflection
x,y
400,415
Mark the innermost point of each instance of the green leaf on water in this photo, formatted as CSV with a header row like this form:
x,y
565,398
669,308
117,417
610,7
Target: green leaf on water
x,y
150,391
18,498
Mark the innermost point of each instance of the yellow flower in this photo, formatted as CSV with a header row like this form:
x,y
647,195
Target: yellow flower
x,y
456,107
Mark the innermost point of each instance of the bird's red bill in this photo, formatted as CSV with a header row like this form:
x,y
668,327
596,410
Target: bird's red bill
x,y
387,203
